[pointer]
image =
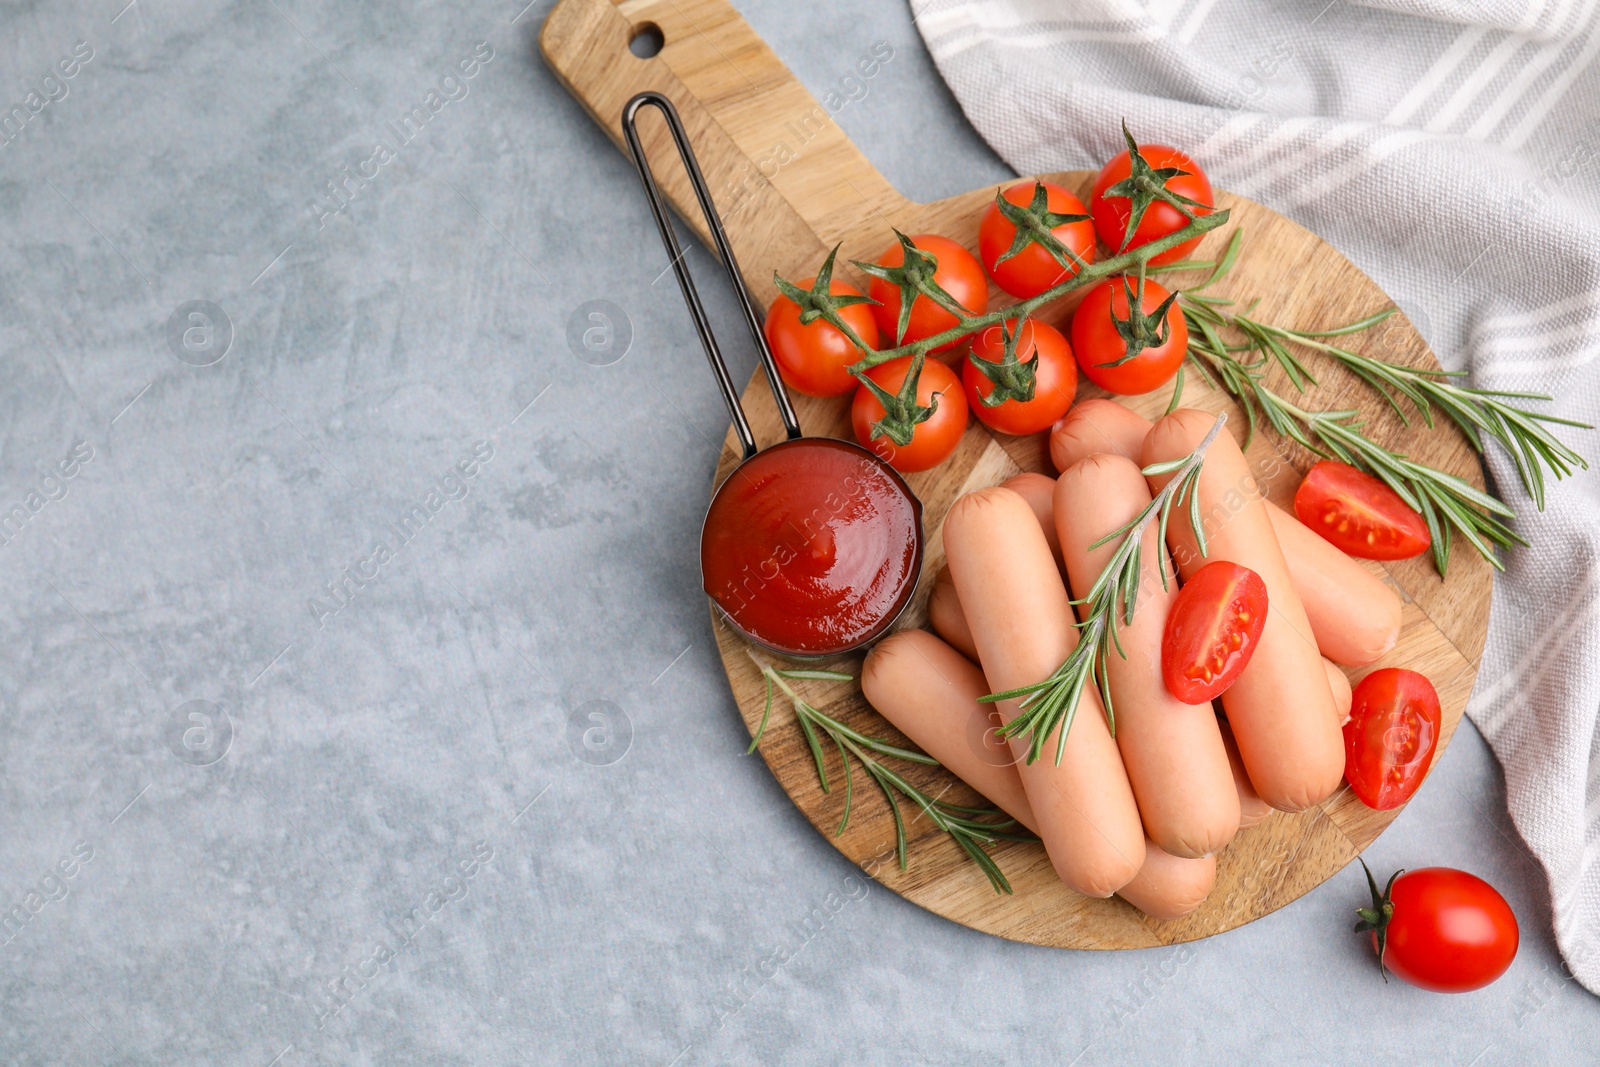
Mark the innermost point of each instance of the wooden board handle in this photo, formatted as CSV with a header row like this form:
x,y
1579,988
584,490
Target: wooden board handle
x,y
783,174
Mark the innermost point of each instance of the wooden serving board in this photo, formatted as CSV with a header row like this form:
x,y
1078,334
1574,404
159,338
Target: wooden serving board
x,y
790,185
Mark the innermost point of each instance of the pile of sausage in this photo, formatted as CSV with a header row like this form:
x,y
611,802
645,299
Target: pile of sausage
x,y
1141,815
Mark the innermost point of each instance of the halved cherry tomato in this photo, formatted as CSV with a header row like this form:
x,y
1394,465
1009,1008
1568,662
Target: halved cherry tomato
x,y
1055,377
1212,630
1359,514
1033,270
1111,213
958,273
812,357
1100,348
1391,735
932,440
1441,929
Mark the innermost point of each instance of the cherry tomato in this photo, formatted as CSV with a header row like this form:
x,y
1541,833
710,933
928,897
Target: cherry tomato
x,y
1449,932
1212,630
1033,270
812,357
1055,378
1359,514
1111,213
1391,735
932,440
958,272
1097,344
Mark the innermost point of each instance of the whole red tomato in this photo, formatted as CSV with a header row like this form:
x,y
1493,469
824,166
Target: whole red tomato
x,y
1111,213
812,357
1440,929
1102,351
958,273
1212,630
1055,377
1389,740
934,438
1034,269
1357,513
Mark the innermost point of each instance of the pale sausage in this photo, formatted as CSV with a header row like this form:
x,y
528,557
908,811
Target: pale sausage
x,y
1176,763
1281,708
947,618
1039,491
1022,624
1343,696
1169,887
1252,809
1354,616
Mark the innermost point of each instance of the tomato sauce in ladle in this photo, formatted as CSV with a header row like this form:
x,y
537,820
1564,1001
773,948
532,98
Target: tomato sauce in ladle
x,y
811,548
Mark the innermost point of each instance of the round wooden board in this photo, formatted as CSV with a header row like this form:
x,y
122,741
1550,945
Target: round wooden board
x,y
828,193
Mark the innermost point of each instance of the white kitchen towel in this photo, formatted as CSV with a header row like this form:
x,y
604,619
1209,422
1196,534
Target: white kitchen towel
x,y
1452,151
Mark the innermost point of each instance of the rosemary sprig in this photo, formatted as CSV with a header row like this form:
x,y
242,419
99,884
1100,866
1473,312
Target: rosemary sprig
x,y
1478,413
1109,603
972,828
1447,503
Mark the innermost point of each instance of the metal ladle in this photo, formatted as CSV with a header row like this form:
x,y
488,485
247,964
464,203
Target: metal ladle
x,y
719,369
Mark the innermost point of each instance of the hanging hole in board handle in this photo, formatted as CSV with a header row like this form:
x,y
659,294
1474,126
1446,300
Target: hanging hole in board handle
x,y
647,40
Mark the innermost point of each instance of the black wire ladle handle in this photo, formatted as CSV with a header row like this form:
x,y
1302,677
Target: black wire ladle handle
x,y
719,237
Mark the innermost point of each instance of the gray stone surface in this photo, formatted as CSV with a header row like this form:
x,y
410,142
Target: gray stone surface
x,y
424,745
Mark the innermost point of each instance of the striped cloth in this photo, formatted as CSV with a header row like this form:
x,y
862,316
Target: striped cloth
x,y
1452,150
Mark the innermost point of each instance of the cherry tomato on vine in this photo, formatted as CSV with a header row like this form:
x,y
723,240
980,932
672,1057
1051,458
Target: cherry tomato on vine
x,y
1213,627
1033,269
1390,738
1359,514
1039,347
1102,351
958,273
933,439
812,357
1111,213
1441,929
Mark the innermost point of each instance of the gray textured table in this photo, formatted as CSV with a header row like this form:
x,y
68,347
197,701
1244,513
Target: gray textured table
x,y
270,793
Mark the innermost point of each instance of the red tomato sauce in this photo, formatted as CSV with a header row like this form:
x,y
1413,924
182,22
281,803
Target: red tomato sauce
x,y
812,547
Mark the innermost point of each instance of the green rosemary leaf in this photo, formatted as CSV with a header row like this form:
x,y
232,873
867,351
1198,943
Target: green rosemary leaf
x,y
849,788
985,862
816,749
1012,694
1195,524
818,675
1205,372
1226,263
1152,471
1438,535
1103,680
894,807
1354,327
766,713
1177,391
